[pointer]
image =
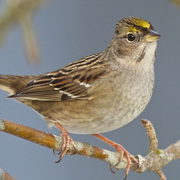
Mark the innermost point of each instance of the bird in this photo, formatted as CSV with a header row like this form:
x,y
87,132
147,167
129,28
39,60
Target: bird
x,y
98,93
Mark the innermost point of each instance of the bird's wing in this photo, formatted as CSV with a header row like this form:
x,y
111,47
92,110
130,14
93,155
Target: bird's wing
x,y
68,83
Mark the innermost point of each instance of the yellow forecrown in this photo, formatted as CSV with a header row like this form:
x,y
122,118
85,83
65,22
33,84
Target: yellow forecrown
x,y
137,22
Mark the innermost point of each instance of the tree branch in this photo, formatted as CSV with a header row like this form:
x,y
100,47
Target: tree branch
x,y
154,161
5,176
21,12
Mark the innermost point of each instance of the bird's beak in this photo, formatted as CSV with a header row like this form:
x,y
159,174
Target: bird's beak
x,y
152,36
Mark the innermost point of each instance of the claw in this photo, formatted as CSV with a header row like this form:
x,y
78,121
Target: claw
x,y
119,149
58,153
58,160
110,166
66,142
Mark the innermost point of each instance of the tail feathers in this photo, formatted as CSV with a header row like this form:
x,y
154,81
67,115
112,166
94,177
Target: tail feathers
x,y
13,84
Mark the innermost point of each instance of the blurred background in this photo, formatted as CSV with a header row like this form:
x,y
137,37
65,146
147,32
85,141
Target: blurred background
x,y
69,30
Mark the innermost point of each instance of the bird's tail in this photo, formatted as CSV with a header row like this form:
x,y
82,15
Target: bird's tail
x,y
13,84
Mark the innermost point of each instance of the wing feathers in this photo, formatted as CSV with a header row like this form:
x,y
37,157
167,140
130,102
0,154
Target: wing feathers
x,y
68,83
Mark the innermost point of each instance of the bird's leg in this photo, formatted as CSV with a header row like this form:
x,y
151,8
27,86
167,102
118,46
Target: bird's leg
x,y
120,149
66,141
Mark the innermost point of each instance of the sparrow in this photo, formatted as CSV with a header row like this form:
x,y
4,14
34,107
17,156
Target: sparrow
x,y
98,93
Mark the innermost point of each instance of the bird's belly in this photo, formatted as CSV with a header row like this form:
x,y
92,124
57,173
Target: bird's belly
x,y
103,113
95,116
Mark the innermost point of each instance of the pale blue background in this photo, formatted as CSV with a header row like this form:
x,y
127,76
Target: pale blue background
x,y
71,29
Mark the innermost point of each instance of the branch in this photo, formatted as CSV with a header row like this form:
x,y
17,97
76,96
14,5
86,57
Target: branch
x,y
154,161
20,12
5,176
176,2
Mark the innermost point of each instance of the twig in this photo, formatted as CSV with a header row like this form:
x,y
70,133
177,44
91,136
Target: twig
x,y
176,2
154,161
153,143
30,41
5,176
20,12
151,134
55,142
161,175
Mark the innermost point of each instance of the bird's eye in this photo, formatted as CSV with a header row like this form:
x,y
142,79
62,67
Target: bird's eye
x,y
131,37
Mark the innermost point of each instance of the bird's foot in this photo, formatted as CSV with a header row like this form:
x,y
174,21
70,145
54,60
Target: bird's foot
x,y
121,150
66,141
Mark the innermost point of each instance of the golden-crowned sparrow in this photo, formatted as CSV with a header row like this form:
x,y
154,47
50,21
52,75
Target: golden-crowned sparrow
x,y
98,93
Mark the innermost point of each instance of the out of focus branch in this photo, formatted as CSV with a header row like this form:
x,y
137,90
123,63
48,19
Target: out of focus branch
x,y
20,12
154,161
176,2
5,176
